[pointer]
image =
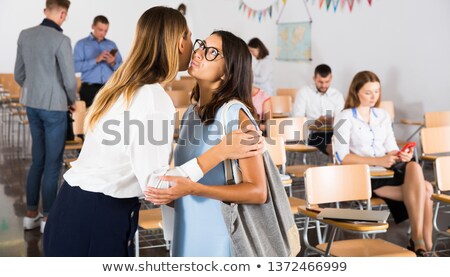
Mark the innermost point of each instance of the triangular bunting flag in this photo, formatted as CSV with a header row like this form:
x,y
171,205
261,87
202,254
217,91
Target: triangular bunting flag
x,y
370,2
335,5
350,4
328,4
320,4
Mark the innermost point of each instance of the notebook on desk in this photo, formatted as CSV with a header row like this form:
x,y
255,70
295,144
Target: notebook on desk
x,y
441,154
377,169
354,215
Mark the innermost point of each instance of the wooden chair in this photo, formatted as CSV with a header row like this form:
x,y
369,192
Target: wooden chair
x,y
149,233
374,201
78,84
178,118
180,98
442,171
388,106
437,119
435,142
330,184
293,130
292,92
278,155
183,84
72,147
281,106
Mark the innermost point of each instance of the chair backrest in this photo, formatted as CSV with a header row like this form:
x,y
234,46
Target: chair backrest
x,y
180,98
290,128
78,83
388,106
442,171
10,85
275,146
183,84
172,160
336,183
281,104
437,119
435,140
179,116
292,92
78,117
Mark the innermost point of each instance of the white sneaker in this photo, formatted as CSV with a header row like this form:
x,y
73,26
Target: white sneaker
x,y
43,226
31,222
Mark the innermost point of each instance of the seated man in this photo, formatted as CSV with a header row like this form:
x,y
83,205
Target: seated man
x,y
319,103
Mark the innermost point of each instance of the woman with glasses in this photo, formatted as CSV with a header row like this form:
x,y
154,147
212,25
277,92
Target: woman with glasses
x,y
129,136
221,64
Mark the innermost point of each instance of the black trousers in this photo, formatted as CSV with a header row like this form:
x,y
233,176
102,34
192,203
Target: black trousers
x,y
320,140
88,92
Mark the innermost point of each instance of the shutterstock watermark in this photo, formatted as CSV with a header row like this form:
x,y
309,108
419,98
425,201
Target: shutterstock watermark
x,y
156,132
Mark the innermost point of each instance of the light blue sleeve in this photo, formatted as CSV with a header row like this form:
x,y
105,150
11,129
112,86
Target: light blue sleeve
x,y
233,117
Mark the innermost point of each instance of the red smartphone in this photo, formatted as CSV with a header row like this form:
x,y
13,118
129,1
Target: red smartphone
x,y
113,51
408,145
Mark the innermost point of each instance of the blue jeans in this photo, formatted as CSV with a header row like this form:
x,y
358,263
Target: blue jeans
x,y
48,133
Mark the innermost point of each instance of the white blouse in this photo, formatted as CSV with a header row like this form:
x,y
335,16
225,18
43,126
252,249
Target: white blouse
x,y
353,135
313,104
127,145
262,74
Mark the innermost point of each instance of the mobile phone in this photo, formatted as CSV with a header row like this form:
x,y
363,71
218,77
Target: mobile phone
x,y
113,51
408,145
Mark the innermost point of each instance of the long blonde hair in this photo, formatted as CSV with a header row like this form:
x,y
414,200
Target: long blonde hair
x,y
360,79
153,58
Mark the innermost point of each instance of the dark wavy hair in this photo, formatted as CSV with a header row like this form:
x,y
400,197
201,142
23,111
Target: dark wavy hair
x,y
238,78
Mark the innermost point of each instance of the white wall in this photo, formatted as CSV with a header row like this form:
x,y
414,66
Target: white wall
x,y
406,42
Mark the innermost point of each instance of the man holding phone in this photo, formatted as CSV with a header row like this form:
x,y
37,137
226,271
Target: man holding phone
x,y
96,57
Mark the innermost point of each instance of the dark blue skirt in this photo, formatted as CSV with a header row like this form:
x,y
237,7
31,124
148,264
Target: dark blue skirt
x,y
89,224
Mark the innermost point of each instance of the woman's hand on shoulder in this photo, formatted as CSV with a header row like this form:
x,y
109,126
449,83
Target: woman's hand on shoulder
x,y
242,143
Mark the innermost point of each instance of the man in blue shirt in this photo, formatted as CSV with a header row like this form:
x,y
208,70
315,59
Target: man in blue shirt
x,y
96,57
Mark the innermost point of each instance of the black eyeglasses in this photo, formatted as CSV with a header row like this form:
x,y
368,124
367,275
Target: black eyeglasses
x,y
211,53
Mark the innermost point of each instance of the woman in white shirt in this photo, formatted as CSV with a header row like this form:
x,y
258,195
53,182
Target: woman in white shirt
x,y
262,66
129,137
364,135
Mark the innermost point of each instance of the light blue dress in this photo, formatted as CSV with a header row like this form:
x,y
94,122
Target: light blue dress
x,y
200,230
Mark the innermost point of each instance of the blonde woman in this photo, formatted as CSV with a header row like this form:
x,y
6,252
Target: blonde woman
x,y
365,136
129,136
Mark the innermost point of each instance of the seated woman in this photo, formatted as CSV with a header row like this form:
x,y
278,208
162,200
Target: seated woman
x,y
221,64
263,106
364,135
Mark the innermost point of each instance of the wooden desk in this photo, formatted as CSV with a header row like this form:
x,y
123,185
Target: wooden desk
x,y
280,115
300,148
433,156
321,129
381,174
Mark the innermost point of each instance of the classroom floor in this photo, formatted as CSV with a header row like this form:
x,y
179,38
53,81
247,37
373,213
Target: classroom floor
x,y
15,242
